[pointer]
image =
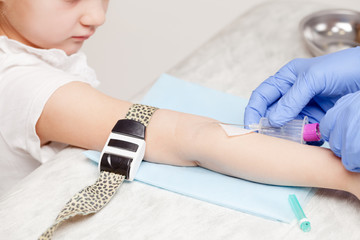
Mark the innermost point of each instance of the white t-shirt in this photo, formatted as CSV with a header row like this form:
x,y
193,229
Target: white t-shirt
x,y
28,77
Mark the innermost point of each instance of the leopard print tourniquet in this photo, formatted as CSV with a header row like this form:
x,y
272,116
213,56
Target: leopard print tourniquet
x,y
89,200
93,198
141,113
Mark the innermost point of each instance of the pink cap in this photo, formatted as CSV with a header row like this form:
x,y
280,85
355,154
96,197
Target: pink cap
x,y
311,132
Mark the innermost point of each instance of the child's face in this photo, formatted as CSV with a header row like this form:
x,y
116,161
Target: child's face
x,y
62,24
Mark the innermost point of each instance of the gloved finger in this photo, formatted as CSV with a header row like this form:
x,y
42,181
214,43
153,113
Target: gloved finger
x,y
326,102
295,100
262,97
255,109
270,91
313,111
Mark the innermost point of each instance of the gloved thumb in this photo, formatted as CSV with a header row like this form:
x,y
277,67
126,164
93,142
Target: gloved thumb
x,y
339,127
335,122
329,132
327,123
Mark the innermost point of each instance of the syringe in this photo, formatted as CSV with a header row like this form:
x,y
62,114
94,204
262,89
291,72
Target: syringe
x,y
298,130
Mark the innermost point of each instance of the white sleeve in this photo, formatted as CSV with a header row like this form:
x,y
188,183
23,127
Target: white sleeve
x,y
24,91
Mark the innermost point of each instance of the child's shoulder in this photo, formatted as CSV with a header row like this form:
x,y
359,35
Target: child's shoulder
x,y
14,54
14,48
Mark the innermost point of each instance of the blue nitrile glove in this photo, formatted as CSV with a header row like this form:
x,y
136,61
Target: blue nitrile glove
x,y
340,126
305,87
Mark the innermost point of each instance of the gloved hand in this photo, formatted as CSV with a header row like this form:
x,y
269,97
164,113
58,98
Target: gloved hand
x,y
305,87
340,126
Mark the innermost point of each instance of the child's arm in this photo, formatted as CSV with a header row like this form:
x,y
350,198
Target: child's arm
x,y
81,116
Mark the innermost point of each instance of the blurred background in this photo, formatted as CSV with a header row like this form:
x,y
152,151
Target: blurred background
x,y
142,39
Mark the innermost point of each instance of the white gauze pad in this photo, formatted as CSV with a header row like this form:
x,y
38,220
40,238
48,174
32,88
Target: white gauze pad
x,y
232,130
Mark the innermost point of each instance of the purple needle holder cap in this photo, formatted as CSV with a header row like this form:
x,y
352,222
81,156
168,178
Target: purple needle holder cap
x,y
311,132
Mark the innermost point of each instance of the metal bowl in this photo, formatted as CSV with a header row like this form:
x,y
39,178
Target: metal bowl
x,y
331,30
